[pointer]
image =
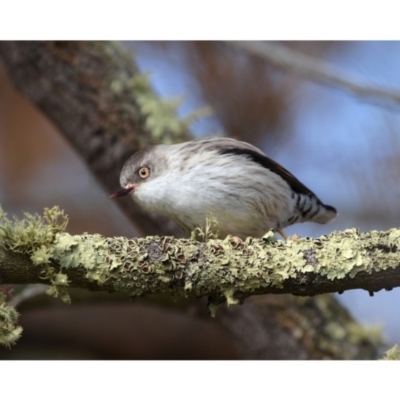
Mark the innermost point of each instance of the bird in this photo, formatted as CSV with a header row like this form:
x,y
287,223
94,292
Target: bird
x,y
244,190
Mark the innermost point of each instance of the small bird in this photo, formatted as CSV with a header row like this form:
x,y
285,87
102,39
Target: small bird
x,y
232,181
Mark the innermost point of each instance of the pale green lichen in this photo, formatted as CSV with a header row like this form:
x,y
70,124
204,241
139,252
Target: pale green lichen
x,y
392,354
34,235
230,299
346,248
33,232
10,332
335,256
74,251
207,232
41,256
183,266
161,114
59,291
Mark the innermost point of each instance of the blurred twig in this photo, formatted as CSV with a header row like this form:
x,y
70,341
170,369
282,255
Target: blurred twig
x,y
28,292
318,71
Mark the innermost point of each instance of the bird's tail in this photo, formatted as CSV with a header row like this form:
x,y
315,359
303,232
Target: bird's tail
x,y
325,214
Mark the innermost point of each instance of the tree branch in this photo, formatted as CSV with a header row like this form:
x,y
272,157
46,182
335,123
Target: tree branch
x,y
227,269
318,71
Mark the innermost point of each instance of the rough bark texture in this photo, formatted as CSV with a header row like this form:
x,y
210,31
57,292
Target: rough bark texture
x,y
89,91
225,270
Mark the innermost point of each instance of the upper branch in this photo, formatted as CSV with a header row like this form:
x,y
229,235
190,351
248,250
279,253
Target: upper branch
x,y
318,71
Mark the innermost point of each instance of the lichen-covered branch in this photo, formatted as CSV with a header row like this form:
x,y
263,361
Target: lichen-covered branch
x,y
230,269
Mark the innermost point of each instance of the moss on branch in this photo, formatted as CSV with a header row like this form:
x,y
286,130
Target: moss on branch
x,y
228,269
38,250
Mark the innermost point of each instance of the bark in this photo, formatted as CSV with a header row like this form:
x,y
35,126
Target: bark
x,y
224,270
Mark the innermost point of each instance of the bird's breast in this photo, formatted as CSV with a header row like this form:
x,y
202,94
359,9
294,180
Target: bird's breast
x,y
245,202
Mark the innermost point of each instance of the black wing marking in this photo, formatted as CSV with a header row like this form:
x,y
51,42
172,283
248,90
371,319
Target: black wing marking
x,y
273,166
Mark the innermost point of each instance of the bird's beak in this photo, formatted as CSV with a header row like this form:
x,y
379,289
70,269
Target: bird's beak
x,y
123,191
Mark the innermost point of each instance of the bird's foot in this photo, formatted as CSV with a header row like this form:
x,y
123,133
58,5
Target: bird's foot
x,y
295,237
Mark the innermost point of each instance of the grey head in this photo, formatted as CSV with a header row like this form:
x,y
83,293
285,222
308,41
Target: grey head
x,y
143,166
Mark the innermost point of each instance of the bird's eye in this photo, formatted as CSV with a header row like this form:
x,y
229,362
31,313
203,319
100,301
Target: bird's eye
x,y
144,172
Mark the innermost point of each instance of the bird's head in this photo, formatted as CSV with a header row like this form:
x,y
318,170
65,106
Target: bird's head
x,y
141,169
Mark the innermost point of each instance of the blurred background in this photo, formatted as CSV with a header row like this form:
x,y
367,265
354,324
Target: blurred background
x,y
344,148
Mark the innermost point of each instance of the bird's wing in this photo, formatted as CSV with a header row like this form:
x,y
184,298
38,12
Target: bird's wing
x,y
231,146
